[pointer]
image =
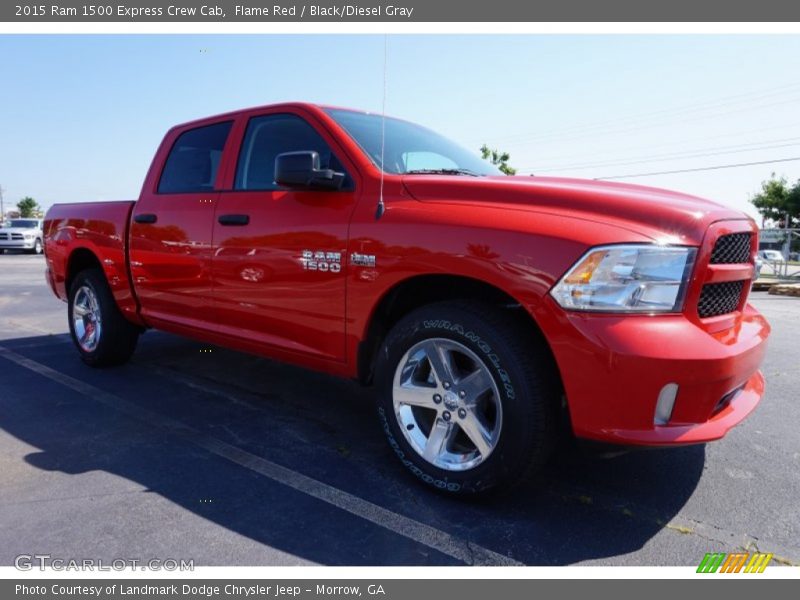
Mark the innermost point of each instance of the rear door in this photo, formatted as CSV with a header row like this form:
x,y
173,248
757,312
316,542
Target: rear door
x,y
170,237
279,261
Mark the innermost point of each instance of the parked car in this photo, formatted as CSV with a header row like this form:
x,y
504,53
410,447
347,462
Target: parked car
x,y
22,234
487,311
771,256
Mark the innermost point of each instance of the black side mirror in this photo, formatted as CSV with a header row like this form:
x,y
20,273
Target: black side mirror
x,y
301,170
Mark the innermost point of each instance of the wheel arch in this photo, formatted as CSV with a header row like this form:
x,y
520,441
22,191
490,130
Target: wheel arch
x,y
80,259
420,290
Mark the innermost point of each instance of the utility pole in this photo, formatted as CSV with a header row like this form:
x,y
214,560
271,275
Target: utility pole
x,y
787,245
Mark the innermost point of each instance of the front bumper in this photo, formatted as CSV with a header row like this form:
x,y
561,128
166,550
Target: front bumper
x,y
18,245
614,367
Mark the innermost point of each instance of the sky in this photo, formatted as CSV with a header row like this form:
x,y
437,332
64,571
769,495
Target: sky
x,y
82,115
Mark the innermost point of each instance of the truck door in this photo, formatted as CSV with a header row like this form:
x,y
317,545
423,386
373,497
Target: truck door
x,y
280,256
170,237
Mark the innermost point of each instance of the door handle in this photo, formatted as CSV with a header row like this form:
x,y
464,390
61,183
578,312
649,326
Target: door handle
x,y
145,218
234,220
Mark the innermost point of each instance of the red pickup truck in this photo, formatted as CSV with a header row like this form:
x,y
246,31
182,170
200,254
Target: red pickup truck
x,y
486,310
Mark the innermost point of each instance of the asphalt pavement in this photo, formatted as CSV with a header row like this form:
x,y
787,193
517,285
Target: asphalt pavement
x,y
193,452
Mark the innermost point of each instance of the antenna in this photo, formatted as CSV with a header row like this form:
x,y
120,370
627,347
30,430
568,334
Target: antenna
x,y
381,206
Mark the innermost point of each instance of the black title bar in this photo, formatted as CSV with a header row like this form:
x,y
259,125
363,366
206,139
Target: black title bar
x,y
403,11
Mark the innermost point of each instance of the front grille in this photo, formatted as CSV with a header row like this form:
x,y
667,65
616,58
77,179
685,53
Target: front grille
x,y
719,298
732,249
17,237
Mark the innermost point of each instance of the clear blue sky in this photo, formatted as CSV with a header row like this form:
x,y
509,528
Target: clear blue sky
x,y
80,116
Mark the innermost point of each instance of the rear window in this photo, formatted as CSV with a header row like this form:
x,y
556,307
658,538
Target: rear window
x,y
193,162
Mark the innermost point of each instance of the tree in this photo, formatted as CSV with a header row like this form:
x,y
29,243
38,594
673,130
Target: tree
x,y
499,159
28,207
777,200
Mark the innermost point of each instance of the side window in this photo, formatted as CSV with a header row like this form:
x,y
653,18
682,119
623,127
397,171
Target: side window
x,y
270,135
193,162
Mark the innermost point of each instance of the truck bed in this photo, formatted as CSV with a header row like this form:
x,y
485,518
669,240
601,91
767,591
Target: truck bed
x,y
100,229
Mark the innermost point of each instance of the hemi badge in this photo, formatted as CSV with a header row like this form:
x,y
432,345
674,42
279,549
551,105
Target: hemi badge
x,y
362,260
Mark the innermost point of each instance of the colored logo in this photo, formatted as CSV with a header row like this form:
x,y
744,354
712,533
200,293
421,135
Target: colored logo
x,y
719,562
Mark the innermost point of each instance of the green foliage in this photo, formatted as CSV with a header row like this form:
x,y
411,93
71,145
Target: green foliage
x,y
777,199
28,208
499,159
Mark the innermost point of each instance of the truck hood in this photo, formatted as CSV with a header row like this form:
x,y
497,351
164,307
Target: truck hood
x,y
18,230
662,215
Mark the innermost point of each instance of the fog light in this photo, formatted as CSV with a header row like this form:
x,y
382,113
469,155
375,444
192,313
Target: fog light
x,y
665,404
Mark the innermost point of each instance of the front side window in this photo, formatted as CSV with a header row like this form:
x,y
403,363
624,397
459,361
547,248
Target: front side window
x,y
194,160
270,135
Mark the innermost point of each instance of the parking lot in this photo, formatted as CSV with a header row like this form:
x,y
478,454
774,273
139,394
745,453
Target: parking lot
x,y
195,452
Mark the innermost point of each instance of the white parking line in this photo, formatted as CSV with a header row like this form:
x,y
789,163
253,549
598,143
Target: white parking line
x,y
431,537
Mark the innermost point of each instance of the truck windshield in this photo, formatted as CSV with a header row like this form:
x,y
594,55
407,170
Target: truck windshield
x,y
409,148
24,223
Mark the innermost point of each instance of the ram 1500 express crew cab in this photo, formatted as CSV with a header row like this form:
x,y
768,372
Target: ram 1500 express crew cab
x,y
485,309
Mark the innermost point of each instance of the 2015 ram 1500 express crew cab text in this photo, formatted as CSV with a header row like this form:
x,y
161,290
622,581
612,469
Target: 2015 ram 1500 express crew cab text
x,y
485,309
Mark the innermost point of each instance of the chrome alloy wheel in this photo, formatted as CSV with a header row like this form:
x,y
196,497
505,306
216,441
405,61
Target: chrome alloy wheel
x,y
447,404
86,321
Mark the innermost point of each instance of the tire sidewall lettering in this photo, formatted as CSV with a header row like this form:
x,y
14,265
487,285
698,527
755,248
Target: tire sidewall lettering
x,y
429,479
481,344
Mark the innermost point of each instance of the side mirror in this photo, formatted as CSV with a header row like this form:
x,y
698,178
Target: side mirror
x,y
301,170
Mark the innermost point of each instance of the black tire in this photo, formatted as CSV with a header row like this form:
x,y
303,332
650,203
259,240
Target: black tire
x,y
522,369
118,336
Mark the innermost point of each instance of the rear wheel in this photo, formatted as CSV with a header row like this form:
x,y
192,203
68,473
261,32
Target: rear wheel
x,y
466,399
101,334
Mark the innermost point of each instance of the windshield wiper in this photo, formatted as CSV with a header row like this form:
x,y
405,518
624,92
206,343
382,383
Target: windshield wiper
x,y
442,172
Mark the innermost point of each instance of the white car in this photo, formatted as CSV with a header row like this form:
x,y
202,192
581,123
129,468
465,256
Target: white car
x,y
22,234
772,256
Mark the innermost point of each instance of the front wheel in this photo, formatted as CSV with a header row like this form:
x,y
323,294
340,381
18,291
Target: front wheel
x,y
466,399
101,334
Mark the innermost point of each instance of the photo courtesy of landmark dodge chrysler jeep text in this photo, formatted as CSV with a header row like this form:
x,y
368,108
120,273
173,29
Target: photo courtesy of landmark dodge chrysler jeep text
x,y
486,310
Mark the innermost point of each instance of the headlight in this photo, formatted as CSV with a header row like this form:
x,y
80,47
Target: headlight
x,y
28,236
627,278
